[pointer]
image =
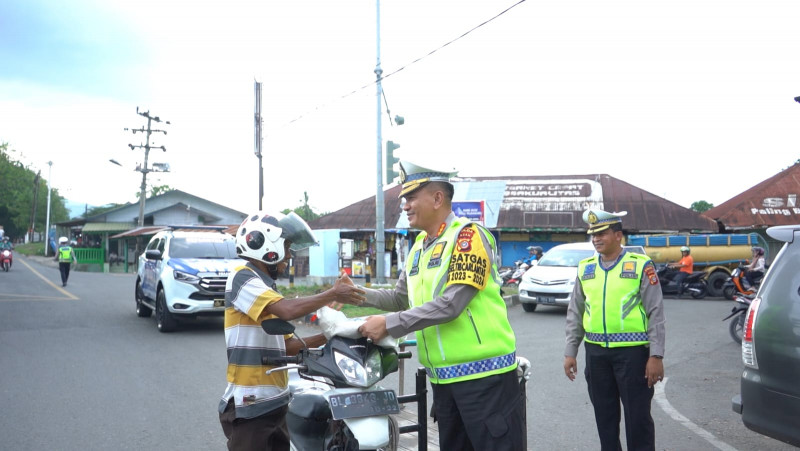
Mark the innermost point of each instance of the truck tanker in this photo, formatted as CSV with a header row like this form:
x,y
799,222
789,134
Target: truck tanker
x,y
716,254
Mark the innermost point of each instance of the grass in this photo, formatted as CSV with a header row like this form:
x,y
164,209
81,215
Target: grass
x,y
30,248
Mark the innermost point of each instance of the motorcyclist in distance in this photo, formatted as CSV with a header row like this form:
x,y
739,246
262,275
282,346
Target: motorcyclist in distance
x,y
755,270
6,244
685,267
534,253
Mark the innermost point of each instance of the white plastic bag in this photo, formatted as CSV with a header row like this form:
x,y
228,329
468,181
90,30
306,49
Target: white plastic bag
x,y
335,323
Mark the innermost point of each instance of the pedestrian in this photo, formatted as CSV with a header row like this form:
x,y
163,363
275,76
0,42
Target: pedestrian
x,y
685,267
617,310
65,256
448,293
253,408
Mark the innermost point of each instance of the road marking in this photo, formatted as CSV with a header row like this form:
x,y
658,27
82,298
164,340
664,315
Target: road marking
x,y
661,398
63,291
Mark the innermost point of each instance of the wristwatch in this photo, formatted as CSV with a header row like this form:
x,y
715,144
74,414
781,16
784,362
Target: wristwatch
x,y
659,357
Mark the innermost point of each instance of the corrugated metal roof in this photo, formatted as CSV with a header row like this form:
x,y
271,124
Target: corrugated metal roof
x,y
772,202
99,227
543,203
140,231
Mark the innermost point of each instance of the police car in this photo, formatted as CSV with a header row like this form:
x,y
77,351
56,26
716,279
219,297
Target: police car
x,y
182,274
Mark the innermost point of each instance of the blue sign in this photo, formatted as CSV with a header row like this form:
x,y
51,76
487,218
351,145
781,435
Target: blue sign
x,y
472,210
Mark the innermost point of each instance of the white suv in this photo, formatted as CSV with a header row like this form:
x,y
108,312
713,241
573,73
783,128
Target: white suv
x,y
552,279
182,274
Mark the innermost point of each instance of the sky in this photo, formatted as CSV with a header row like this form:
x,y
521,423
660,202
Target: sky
x,y
689,100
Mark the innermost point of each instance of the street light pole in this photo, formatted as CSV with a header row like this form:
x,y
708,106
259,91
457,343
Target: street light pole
x,y
47,221
380,238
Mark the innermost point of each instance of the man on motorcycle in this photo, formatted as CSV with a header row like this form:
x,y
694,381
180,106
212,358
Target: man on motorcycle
x,y
6,244
755,270
685,268
253,408
534,253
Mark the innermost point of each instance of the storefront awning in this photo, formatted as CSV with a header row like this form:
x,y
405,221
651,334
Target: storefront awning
x,y
140,231
102,227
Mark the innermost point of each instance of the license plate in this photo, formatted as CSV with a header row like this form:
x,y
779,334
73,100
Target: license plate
x,y
219,302
363,404
546,299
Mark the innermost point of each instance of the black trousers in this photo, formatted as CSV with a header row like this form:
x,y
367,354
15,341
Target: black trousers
x,y
64,268
614,375
268,432
679,277
481,414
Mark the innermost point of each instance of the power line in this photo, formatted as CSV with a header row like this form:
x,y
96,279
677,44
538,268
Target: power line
x,y
324,105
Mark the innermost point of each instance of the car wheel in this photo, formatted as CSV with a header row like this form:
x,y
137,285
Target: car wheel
x,y
715,282
703,291
529,307
142,311
165,320
737,328
728,292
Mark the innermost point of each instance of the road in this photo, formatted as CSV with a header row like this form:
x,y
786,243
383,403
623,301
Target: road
x,y
80,371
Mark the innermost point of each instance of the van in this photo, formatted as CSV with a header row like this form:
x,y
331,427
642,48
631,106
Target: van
x,y
551,280
770,393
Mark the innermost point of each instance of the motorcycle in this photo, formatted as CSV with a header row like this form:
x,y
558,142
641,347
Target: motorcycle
x,y
512,276
737,284
6,259
336,402
694,284
738,313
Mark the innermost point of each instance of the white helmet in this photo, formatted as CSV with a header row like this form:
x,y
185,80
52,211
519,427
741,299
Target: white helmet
x,y
62,240
262,236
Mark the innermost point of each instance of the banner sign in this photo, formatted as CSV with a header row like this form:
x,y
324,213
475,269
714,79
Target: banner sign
x,y
472,210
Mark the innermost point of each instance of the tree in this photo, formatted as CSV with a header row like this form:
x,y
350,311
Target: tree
x,y
156,190
17,189
700,206
304,211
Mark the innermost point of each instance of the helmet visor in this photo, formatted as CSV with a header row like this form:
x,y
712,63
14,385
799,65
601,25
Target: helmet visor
x,y
296,230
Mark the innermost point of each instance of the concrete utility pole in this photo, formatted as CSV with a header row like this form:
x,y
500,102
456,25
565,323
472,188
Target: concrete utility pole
x,y
380,236
258,142
144,168
47,221
32,230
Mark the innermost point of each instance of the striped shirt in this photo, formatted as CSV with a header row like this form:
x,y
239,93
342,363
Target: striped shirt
x,y
248,292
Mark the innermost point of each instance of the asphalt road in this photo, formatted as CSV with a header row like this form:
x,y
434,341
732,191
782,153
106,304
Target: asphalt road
x,y
80,371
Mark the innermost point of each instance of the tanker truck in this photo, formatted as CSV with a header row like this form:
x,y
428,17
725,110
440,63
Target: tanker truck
x,y
716,254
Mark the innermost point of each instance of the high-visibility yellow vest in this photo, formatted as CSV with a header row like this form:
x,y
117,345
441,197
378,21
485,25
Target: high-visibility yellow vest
x,y
480,341
614,315
64,254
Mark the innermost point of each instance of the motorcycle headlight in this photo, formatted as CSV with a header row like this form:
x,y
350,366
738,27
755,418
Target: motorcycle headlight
x,y
185,277
357,374
6,253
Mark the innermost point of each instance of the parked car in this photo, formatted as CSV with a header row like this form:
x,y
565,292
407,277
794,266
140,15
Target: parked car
x,y
770,394
182,274
551,281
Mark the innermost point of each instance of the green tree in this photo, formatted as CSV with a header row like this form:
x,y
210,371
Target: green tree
x,y
155,190
19,186
304,211
701,206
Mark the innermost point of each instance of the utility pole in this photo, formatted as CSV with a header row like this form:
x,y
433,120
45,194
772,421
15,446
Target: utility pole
x,y
144,169
258,141
380,238
47,221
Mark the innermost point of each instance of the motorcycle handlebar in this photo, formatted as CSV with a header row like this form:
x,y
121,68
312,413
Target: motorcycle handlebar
x,y
280,361
404,355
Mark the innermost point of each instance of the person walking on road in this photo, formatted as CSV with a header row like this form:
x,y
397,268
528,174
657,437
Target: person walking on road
x,y
65,256
617,309
449,295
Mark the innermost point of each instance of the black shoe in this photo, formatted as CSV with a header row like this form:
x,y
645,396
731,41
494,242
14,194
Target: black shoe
x,y
64,284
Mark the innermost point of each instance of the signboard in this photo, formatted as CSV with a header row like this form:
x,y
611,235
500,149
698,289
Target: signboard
x,y
472,210
559,195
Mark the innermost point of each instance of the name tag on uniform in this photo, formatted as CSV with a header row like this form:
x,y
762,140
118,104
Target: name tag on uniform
x,y
588,271
628,270
436,256
415,264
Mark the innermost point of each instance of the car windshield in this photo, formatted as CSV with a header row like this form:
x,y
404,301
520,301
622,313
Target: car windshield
x,y
202,248
565,257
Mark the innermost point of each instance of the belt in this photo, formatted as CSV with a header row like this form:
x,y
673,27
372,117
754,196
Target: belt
x,y
617,338
466,369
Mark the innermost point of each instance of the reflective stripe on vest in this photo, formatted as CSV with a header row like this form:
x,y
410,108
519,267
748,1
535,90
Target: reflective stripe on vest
x,y
614,315
477,343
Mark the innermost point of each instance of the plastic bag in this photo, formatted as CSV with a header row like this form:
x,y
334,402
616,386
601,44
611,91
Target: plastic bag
x,y
334,323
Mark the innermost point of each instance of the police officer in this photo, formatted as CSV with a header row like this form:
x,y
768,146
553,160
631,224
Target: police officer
x,y
65,256
617,310
449,296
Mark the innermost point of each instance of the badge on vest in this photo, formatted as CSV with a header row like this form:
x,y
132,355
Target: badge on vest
x,y
436,255
628,270
588,271
415,263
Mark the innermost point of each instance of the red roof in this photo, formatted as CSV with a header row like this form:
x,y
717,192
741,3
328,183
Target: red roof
x,y
770,203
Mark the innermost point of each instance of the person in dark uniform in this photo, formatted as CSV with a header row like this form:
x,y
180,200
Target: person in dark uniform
x,y
448,294
617,310
65,256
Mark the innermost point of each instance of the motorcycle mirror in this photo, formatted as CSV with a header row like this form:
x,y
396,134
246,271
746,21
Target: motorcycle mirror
x,y
277,326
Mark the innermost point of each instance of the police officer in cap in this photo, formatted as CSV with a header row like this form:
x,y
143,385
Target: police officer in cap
x,y
617,310
448,294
